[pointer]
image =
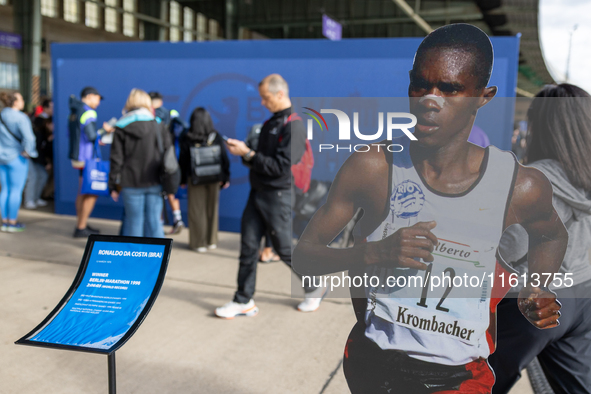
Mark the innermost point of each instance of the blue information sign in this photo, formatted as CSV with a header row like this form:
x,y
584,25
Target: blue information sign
x,y
10,40
116,285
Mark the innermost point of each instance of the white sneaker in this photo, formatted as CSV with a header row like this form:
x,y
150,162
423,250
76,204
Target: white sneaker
x,y
233,309
202,249
30,205
212,246
312,300
41,203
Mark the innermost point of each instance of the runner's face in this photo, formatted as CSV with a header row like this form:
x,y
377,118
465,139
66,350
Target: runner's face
x,y
444,95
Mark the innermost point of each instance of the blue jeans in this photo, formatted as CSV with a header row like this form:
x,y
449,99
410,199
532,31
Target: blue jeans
x,y
143,207
12,179
35,182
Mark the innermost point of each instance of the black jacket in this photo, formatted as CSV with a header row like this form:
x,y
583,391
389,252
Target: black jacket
x,y
270,168
186,142
42,134
135,158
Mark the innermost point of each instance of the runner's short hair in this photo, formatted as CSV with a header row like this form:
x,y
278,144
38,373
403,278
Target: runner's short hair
x,y
464,37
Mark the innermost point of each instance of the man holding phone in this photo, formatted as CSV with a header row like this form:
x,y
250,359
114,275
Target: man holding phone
x,y
269,202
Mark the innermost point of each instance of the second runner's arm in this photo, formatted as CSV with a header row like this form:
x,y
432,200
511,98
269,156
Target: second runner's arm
x,y
531,206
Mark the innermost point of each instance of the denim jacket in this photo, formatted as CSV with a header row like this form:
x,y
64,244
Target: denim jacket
x,y
20,125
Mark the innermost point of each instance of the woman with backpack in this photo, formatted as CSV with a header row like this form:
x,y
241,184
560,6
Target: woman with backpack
x,y
205,168
136,164
17,144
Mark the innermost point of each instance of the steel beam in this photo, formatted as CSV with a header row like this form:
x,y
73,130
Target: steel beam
x,y
414,16
362,21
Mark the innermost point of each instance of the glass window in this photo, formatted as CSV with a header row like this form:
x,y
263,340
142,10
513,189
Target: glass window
x,y
111,20
49,8
188,23
129,19
201,26
14,75
3,75
71,11
3,2
9,76
175,20
92,16
213,29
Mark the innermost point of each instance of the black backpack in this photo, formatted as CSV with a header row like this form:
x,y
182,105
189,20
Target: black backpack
x,y
206,162
170,172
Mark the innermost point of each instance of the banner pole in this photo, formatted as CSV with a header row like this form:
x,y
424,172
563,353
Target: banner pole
x,y
112,373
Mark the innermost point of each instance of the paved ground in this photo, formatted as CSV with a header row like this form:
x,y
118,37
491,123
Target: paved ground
x,y
181,347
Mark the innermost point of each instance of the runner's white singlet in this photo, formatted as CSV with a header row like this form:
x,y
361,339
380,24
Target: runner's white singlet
x,y
446,325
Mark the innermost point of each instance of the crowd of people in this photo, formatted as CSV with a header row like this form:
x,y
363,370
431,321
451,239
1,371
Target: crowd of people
x,y
140,142
140,139
26,157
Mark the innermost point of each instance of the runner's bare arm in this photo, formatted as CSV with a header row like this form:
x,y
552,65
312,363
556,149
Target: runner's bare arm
x,y
362,182
531,206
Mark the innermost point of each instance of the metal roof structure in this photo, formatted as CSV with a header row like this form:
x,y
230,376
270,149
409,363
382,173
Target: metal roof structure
x,y
385,18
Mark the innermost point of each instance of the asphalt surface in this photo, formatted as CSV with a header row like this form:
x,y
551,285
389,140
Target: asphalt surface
x,y
181,347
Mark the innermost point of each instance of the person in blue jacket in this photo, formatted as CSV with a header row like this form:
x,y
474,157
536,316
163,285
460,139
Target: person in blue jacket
x,y
17,145
83,134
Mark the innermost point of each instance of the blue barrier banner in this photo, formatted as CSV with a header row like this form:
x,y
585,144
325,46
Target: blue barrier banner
x,y
115,288
223,77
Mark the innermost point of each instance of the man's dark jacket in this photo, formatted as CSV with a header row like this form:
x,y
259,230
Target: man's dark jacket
x,y
281,144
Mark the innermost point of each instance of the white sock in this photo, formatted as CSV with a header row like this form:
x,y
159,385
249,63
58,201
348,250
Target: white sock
x,y
177,215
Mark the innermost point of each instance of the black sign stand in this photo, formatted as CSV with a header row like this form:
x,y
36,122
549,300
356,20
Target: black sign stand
x,y
111,370
112,373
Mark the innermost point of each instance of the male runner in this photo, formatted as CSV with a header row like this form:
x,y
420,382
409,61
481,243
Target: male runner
x,y
439,207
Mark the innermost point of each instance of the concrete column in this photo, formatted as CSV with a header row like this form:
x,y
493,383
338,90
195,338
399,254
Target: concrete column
x,y
27,22
153,8
230,27
164,11
36,53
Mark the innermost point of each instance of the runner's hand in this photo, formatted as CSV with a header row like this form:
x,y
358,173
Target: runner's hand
x,y
540,307
401,248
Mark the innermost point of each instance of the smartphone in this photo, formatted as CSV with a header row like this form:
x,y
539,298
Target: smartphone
x,y
224,137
